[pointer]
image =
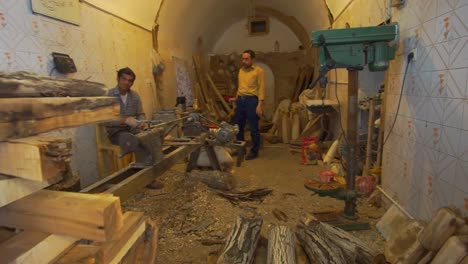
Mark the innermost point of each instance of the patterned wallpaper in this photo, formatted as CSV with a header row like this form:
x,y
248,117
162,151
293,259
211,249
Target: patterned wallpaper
x,y
425,162
99,46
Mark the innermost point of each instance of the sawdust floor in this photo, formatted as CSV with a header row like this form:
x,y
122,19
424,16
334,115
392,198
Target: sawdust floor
x,y
192,215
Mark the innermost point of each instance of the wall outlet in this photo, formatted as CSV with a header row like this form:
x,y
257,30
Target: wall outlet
x,y
415,52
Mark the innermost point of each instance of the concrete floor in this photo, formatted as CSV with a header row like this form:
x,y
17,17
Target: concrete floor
x,y
183,207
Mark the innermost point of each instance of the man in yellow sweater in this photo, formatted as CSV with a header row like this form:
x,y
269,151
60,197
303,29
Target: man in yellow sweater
x,y
249,101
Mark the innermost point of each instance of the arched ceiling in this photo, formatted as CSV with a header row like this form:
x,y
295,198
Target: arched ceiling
x,y
182,22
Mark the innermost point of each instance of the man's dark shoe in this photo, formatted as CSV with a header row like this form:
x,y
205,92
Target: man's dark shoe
x,y
251,156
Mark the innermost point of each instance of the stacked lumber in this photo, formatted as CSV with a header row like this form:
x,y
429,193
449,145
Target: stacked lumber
x,y
444,239
51,222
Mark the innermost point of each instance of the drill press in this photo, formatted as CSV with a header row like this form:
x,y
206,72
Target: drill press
x,y
353,49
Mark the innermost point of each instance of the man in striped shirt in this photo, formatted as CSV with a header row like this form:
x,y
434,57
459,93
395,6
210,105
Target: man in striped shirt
x,y
131,108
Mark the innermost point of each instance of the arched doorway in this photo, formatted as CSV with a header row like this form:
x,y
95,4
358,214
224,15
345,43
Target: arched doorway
x,y
269,104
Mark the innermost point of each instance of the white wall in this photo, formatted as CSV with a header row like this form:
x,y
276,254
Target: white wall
x,y
236,39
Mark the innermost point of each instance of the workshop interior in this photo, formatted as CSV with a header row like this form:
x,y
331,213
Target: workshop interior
x,y
251,131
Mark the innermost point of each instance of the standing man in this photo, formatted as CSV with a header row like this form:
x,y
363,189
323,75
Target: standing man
x,y
131,110
249,101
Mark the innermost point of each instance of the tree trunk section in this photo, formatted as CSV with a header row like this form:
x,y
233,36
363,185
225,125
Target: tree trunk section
x,y
242,241
324,243
26,84
281,246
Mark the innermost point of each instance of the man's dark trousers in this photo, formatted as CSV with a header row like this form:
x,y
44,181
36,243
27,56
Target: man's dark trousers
x,y
246,110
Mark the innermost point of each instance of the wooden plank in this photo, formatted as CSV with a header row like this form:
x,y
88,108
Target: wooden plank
x,y
35,158
217,93
24,117
26,84
31,247
113,250
12,188
80,254
94,217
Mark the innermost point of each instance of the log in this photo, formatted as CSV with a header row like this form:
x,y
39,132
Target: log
x,y
392,221
94,217
214,179
36,158
12,188
242,241
324,243
442,226
31,247
24,117
281,246
453,251
26,84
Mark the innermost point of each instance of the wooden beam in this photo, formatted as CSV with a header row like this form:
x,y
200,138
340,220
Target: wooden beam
x,y
127,182
26,84
35,158
12,188
24,117
34,247
94,217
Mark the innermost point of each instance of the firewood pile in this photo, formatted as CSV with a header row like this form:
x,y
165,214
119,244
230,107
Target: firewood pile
x,y
321,242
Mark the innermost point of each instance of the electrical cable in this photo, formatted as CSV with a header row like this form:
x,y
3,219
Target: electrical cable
x,y
409,58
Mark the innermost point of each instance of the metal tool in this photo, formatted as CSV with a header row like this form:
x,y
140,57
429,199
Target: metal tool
x,y
353,49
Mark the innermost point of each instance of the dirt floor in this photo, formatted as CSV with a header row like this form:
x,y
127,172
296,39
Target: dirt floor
x,y
194,220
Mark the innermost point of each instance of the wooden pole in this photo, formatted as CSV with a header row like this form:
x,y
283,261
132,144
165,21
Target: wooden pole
x,y
382,123
370,134
351,131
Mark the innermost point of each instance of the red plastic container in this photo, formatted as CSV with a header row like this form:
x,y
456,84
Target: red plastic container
x,y
326,176
365,185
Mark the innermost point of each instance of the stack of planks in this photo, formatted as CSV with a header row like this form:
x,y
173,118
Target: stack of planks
x,y
207,93
444,239
49,223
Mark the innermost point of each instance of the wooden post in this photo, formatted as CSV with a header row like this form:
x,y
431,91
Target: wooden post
x,y
370,134
351,135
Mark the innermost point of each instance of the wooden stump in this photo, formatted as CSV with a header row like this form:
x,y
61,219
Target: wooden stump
x,y
324,243
281,246
242,241
442,226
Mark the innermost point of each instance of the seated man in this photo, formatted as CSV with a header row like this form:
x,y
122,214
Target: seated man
x,y
122,132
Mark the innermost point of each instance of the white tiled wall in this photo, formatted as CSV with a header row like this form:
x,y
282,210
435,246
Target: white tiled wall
x,y
431,132
99,46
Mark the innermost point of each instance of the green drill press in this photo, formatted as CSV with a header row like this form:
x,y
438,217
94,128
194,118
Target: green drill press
x,y
352,49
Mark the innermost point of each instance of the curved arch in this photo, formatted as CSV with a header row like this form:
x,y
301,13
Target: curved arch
x,y
291,22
